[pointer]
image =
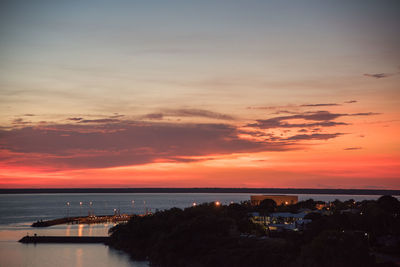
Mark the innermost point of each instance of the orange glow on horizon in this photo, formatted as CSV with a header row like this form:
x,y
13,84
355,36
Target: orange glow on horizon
x,y
292,170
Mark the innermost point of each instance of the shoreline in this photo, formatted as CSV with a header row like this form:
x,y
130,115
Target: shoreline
x,y
202,190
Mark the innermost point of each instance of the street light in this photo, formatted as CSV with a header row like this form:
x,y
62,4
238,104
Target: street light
x,y
80,204
133,207
90,208
67,209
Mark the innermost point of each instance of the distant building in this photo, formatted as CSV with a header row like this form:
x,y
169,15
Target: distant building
x,y
279,199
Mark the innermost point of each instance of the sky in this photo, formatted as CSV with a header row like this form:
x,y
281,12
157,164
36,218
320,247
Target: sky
x,y
277,94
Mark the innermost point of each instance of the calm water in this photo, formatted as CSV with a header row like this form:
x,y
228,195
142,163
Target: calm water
x,y
17,212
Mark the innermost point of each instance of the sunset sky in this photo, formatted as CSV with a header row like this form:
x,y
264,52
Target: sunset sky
x,y
298,94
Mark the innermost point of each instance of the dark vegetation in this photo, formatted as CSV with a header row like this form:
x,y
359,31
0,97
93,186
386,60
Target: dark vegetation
x,y
340,234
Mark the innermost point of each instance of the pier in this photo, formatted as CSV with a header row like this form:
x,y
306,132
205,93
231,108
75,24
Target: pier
x,y
64,239
84,220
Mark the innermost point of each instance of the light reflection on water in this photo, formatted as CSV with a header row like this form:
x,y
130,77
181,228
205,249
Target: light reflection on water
x,y
80,229
16,232
68,230
14,254
79,253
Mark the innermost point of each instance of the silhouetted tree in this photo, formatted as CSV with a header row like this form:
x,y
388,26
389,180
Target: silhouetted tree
x,y
267,206
210,235
389,204
313,216
336,248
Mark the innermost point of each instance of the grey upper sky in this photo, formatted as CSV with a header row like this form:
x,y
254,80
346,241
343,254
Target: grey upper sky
x,y
127,56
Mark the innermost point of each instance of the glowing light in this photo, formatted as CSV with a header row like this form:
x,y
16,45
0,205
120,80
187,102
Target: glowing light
x,y
217,203
194,204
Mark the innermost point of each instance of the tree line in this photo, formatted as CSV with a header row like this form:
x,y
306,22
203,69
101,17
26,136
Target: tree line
x,y
347,233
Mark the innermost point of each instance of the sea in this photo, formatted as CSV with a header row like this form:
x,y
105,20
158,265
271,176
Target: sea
x,y
19,211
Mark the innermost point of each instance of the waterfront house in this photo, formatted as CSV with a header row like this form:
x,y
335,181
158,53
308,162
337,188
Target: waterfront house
x,y
279,221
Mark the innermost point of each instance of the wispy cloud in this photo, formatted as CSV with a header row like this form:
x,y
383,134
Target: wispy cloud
x,y
154,116
318,118
352,148
364,114
379,75
289,108
313,136
188,113
276,123
320,105
272,107
75,119
20,121
284,112
107,120
116,115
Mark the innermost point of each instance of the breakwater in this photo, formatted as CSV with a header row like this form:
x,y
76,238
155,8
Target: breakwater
x,y
64,239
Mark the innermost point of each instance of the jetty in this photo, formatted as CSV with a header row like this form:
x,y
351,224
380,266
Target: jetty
x,y
84,220
64,239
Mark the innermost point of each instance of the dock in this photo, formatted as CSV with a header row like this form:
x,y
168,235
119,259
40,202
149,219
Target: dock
x,y
64,239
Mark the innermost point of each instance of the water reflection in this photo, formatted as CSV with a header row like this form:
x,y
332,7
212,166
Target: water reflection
x,y
79,253
68,230
120,257
80,229
13,254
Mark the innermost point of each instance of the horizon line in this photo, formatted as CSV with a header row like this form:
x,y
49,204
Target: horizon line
x,y
338,191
